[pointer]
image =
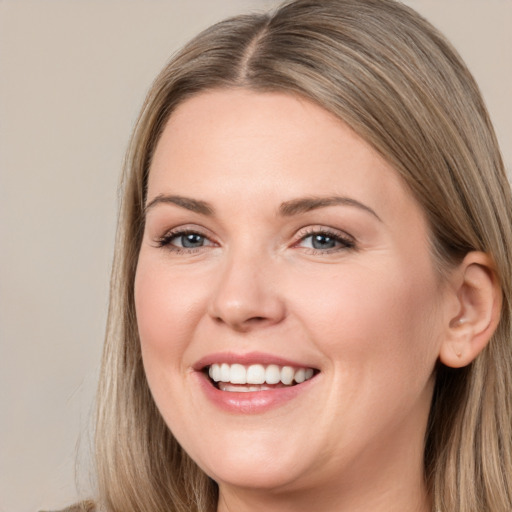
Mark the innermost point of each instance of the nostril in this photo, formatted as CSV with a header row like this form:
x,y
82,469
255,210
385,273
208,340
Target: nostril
x,y
243,298
244,323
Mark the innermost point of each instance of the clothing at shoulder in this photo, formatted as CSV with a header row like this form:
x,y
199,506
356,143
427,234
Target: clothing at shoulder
x,y
83,506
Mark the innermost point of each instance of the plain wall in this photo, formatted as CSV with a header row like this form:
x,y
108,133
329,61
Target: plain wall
x,y
73,75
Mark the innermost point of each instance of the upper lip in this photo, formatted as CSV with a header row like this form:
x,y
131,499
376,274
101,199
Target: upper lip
x,y
246,360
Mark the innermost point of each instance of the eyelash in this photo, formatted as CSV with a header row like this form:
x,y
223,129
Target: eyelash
x,y
165,241
345,242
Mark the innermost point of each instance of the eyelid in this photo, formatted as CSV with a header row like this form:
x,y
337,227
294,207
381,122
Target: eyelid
x,y
347,240
164,241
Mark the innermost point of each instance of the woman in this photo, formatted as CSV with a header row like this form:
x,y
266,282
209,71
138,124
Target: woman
x,y
310,302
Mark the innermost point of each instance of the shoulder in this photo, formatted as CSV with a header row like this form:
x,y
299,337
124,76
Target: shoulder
x,y
83,506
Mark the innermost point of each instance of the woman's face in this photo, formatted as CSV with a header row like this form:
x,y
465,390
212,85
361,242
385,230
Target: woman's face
x,y
278,245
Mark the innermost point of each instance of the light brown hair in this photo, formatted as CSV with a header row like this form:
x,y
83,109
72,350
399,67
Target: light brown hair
x,y
398,83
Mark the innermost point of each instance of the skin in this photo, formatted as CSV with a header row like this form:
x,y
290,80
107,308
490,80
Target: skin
x,y
371,315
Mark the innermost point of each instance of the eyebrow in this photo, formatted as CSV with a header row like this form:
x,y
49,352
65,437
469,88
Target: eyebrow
x,y
188,203
286,209
306,204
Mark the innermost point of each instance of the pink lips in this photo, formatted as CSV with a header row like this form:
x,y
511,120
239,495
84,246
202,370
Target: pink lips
x,y
253,402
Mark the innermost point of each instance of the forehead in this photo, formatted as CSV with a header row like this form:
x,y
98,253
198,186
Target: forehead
x,y
255,132
228,145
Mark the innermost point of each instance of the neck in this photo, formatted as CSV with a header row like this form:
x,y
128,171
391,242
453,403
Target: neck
x,y
390,479
328,500
339,498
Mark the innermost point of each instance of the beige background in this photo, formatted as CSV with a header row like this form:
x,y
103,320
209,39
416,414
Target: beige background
x,y
72,77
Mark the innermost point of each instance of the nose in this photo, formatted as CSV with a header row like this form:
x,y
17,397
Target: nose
x,y
246,295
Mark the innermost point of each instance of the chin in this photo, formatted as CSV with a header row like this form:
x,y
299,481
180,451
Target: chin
x,y
251,474
252,463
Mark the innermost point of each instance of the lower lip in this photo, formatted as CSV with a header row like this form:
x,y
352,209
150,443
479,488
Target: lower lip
x,y
251,402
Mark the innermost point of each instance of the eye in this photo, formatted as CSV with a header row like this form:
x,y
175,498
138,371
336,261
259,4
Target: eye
x,y
325,241
187,240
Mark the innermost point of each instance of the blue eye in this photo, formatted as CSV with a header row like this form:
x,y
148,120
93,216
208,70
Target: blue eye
x,y
322,241
325,241
187,240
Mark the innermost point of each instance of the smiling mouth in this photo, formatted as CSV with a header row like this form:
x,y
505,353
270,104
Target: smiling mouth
x,y
256,377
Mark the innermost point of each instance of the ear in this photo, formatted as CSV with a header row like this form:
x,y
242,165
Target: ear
x,y
478,309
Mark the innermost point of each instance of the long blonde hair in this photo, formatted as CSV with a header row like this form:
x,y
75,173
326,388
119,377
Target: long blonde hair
x,y
395,80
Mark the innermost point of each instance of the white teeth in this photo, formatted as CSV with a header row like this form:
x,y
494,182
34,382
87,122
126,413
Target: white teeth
x,y
272,374
215,372
300,375
287,373
225,386
257,374
238,374
224,372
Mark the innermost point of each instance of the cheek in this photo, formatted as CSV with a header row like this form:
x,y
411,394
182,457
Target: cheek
x,y
375,321
167,306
